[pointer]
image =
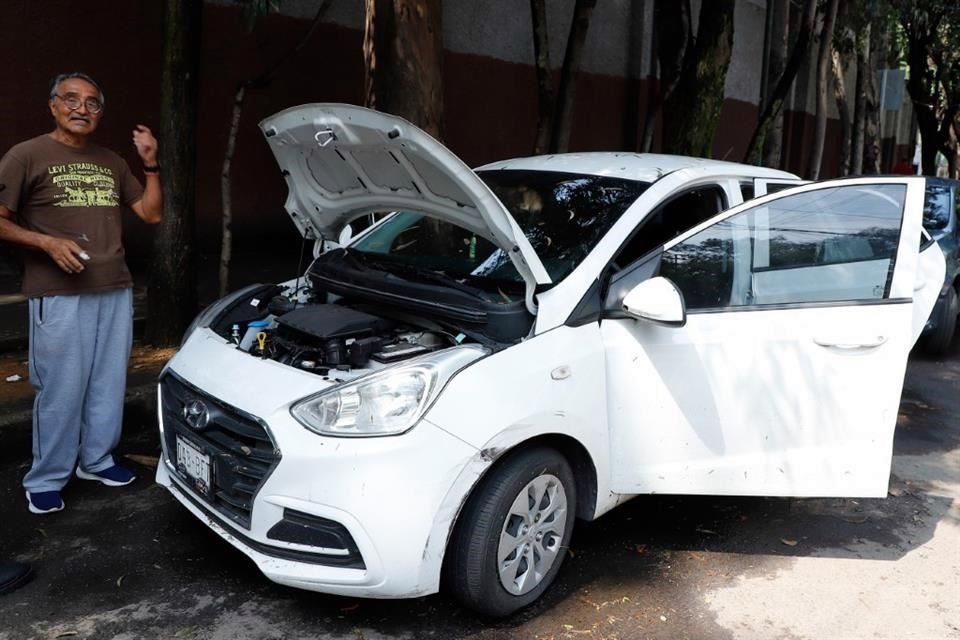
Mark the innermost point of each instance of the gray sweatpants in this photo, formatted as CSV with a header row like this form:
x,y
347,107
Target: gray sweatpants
x,y
79,351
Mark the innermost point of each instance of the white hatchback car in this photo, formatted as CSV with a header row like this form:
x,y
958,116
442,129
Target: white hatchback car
x,y
511,348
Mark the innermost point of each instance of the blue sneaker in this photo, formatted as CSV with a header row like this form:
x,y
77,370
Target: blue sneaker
x,y
115,476
44,501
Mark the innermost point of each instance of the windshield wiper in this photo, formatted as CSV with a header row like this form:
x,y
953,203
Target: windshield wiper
x,y
422,273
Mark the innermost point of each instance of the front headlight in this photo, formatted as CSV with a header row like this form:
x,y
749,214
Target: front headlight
x,y
388,402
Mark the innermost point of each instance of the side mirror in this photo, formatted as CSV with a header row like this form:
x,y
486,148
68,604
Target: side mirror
x,y
656,300
346,234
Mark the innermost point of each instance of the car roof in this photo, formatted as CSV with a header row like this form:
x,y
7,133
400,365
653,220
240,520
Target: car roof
x,y
643,167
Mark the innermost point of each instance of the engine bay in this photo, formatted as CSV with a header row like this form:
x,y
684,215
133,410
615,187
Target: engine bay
x,y
320,336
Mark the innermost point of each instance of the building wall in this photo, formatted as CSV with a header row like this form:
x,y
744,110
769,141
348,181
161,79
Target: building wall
x,y
489,86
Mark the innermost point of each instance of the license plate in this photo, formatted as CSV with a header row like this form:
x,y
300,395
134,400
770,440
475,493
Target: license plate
x,y
194,463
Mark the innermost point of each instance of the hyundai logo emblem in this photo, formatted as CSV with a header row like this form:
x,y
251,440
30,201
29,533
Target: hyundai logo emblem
x,y
196,414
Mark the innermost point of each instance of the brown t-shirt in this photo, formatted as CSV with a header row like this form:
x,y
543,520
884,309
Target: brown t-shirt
x,y
70,193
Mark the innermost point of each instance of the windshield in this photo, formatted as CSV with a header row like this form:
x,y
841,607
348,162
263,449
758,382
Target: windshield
x,y
563,215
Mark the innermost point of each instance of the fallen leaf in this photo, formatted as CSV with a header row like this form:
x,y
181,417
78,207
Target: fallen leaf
x,y
663,618
568,627
120,580
147,461
857,519
14,378
709,531
641,548
42,532
183,632
158,567
788,542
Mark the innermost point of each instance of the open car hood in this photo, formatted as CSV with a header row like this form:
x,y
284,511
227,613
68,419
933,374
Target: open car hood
x,y
342,161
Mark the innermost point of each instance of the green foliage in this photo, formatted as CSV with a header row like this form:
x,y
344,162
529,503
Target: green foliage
x,y
927,39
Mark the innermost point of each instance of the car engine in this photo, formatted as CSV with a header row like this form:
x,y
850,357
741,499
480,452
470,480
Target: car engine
x,y
321,337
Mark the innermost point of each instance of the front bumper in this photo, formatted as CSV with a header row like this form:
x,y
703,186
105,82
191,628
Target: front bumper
x,y
386,503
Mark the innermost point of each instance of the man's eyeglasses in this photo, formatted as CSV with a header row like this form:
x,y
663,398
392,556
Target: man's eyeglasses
x,y
73,103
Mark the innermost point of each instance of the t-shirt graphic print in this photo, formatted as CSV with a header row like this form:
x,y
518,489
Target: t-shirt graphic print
x,y
84,184
75,194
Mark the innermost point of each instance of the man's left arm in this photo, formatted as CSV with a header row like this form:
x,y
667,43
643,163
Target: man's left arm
x,y
150,207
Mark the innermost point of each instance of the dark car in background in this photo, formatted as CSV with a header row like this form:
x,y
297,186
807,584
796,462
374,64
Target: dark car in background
x,y
940,220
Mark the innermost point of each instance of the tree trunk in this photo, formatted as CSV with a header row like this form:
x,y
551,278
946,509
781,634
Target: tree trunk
x,y
779,49
924,90
843,108
691,115
860,101
226,199
823,78
226,179
567,91
403,55
800,49
545,94
871,133
672,33
171,299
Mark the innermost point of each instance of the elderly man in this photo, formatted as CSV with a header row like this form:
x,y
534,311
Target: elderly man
x,y
61,198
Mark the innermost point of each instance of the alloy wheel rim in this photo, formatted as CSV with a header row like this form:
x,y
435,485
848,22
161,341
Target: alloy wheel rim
x,y
532,533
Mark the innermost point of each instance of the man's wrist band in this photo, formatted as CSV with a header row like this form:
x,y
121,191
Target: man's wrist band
x,y
152,168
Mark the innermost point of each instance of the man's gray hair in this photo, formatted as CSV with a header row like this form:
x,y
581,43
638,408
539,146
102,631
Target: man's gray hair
x,y
74,74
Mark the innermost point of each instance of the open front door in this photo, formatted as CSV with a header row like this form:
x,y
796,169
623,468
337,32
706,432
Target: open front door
x,y
786,377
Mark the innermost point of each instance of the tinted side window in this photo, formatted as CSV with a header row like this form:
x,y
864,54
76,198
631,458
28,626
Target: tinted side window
x,y
672,218
825,245
937,203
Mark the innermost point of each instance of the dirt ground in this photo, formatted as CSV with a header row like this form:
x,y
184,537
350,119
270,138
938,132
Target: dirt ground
x,y
131,563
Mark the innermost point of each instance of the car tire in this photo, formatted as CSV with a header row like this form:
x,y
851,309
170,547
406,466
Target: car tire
x,y
504,519
938,342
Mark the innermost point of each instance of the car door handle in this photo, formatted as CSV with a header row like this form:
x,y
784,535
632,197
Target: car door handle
x,y
851,345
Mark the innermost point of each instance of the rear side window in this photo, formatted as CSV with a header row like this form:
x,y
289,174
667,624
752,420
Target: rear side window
x,y
827,245
666,222
937,203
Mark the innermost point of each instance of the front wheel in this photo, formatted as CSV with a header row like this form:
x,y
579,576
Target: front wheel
x,y
513,534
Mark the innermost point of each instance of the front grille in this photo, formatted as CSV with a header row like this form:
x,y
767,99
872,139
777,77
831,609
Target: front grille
x,y
241,452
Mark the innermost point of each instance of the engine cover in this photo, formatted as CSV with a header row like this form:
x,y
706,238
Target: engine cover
x,y
330,321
